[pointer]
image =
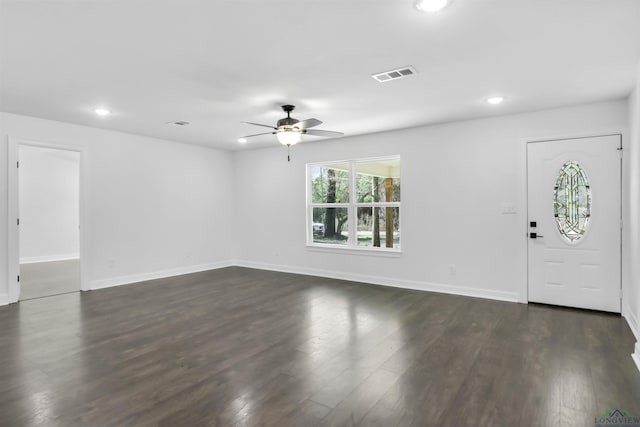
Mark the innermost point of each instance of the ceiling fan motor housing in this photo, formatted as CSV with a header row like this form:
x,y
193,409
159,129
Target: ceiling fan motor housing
x,y
287,122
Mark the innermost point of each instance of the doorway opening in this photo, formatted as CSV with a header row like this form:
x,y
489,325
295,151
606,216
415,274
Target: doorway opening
x,y
49,206
47,216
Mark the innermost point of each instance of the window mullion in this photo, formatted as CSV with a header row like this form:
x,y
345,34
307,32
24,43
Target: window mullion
x,y
329,205
378,205
353,214
309,220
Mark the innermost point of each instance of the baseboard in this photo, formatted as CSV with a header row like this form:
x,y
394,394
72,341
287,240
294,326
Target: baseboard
x,y
636,355
631,319
48,258
4,299
386,281
134,278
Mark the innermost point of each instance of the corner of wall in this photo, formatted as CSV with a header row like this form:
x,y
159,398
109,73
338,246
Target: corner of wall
x,y
633,210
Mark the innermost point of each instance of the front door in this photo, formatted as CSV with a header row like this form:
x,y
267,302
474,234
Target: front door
x,y
574,222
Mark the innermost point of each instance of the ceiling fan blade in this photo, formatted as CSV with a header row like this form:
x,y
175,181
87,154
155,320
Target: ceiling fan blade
x,y
306,124
258,124
258,134
318,132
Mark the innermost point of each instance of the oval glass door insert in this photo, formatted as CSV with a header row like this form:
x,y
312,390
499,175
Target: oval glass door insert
x,y
572,202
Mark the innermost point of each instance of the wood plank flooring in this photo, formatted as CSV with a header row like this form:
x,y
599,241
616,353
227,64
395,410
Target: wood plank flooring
x,y
243,347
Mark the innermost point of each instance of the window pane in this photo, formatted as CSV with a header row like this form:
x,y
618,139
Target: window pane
x,y
372,227
330,184
330,225
378,181
572,201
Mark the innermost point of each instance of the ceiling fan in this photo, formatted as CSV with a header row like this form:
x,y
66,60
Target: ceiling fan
x,y
289,131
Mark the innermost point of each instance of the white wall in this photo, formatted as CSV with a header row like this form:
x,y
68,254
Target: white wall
x,y
154,207
158,208
49,204
632,224
455,178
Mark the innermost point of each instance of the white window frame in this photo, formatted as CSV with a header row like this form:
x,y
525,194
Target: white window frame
x,y
352,207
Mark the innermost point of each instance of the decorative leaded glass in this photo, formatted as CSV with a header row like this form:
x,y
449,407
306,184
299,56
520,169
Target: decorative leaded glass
x,y
572,201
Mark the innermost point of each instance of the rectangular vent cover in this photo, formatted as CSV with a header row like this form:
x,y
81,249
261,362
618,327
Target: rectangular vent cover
x,y
394,74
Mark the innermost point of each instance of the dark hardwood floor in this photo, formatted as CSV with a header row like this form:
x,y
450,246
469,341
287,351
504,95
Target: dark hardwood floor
x,y
242,347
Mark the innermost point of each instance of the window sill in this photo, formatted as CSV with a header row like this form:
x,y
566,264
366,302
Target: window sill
x,y
386,253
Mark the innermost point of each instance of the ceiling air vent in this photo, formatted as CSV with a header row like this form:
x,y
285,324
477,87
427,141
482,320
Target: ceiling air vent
x,y
394,74
178,123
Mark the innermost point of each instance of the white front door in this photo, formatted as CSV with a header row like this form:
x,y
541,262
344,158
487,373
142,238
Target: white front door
x,y
574,221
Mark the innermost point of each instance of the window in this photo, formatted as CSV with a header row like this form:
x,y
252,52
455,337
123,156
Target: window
x,y
354,203
572,202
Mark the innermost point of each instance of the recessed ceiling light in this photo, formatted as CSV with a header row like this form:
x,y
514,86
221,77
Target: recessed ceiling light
x,y
495,100
242,140
101,111
431,5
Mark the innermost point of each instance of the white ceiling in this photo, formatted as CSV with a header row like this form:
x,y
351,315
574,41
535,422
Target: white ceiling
x,y
219,62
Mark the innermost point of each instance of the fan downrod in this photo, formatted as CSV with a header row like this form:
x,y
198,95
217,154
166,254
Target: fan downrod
x,y
288,109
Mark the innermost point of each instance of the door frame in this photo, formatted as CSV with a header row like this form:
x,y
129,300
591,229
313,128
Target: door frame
x,y
524,292
13,211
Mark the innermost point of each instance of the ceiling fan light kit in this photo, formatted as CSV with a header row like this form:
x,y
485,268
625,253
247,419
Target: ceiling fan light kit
x,y
289,131
289,136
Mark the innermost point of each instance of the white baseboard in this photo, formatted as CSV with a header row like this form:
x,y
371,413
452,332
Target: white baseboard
x,y
134,278
631,319
4,299
636,355
48,258
386,281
